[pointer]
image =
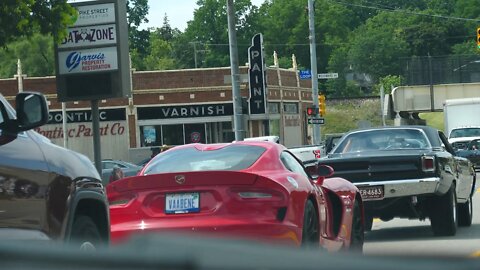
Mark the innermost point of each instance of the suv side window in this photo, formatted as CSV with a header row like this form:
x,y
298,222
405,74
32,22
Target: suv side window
x,y
292,164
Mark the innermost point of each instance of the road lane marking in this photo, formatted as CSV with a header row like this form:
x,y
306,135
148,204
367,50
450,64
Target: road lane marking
x,y
475,254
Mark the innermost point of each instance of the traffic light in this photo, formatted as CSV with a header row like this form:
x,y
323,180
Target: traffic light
x,y
312,111
321,105
478,37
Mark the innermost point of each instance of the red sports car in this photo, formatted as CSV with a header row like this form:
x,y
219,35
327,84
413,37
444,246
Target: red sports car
x,y
254,189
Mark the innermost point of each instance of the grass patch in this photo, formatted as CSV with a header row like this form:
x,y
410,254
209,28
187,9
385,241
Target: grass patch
x,y
345,115
434,119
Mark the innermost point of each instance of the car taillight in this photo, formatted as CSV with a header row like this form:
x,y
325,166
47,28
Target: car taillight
x,y
428,163
122,201
118,199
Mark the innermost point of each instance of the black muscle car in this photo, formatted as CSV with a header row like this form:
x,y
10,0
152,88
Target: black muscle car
x,y
46,192
407,172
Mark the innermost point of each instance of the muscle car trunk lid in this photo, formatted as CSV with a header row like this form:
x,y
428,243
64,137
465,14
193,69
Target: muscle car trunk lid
x,y
376,167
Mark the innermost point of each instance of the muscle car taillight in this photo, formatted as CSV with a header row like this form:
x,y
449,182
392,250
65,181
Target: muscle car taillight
x,y
428,163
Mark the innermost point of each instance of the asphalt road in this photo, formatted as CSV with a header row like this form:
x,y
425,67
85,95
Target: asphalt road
x,y
413,237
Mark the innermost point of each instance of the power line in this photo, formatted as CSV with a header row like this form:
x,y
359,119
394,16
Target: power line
x,y
306,44
405,11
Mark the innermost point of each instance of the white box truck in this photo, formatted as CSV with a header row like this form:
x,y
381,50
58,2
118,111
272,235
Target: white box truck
x,y
462,121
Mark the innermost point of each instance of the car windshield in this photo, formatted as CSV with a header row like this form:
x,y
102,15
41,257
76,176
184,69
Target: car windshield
x,y
383,139
230,158
465,132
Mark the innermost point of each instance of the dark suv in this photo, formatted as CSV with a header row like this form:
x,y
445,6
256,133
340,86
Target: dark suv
x,y
46,191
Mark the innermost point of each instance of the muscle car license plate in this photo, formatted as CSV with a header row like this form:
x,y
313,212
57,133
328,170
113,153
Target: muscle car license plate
x,y
371,192
181,203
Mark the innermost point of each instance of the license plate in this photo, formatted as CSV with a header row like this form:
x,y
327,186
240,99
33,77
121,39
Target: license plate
x,y
181,203
371,192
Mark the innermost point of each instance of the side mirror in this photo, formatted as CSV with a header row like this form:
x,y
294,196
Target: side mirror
x,y
32,110
325,171
319,172
312,170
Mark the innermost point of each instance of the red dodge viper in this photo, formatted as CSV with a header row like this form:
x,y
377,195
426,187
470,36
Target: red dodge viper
x,y
254,189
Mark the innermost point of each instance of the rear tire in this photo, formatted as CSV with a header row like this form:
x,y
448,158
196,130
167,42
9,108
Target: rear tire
x,y
310,231
357,236
85,233
368,222
443,215
465,213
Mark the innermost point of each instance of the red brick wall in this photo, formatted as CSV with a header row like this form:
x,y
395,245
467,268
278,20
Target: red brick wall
x,y
132,126
186,82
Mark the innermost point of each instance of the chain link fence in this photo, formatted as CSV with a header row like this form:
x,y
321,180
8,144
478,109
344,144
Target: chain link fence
x,y
441,69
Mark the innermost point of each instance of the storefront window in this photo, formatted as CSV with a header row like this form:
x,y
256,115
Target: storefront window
x,y
158,135
173,134
195,133
151,135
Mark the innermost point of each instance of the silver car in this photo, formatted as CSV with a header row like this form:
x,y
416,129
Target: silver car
x,y
129,169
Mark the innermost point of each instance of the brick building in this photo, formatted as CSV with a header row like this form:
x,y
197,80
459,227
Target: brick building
x,y
173,107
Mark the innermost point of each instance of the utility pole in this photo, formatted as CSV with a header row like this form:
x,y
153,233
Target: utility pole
x,y
20,76
313,65
238,123
195,52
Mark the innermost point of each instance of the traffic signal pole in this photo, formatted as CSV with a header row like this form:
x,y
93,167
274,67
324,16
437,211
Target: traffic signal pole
x,y
313,64
238,124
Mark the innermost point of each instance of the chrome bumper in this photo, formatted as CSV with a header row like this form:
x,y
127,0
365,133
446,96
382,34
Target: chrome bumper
x,y
405,187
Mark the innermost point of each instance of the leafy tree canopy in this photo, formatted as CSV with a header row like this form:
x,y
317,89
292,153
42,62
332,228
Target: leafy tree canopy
x,y
22,18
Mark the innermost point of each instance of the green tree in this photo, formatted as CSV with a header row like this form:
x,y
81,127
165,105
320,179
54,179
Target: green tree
x,y
378,45
387,82
19,18
137,11
209,31
160,56
469,47
35,53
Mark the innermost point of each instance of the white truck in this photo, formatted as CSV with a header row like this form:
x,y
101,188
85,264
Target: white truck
x,y
462,121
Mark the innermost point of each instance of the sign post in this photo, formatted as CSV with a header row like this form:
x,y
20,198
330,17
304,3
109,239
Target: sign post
x,y
92,61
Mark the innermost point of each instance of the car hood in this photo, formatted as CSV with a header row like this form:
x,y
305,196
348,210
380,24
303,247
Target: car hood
x,y
462,139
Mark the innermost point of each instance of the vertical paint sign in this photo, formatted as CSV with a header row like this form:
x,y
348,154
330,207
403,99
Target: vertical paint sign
x,y
256,76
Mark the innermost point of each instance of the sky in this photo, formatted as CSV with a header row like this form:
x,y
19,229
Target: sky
x,y
179,12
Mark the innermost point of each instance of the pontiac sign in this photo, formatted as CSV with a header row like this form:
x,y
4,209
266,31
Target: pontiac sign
x,y
256,74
